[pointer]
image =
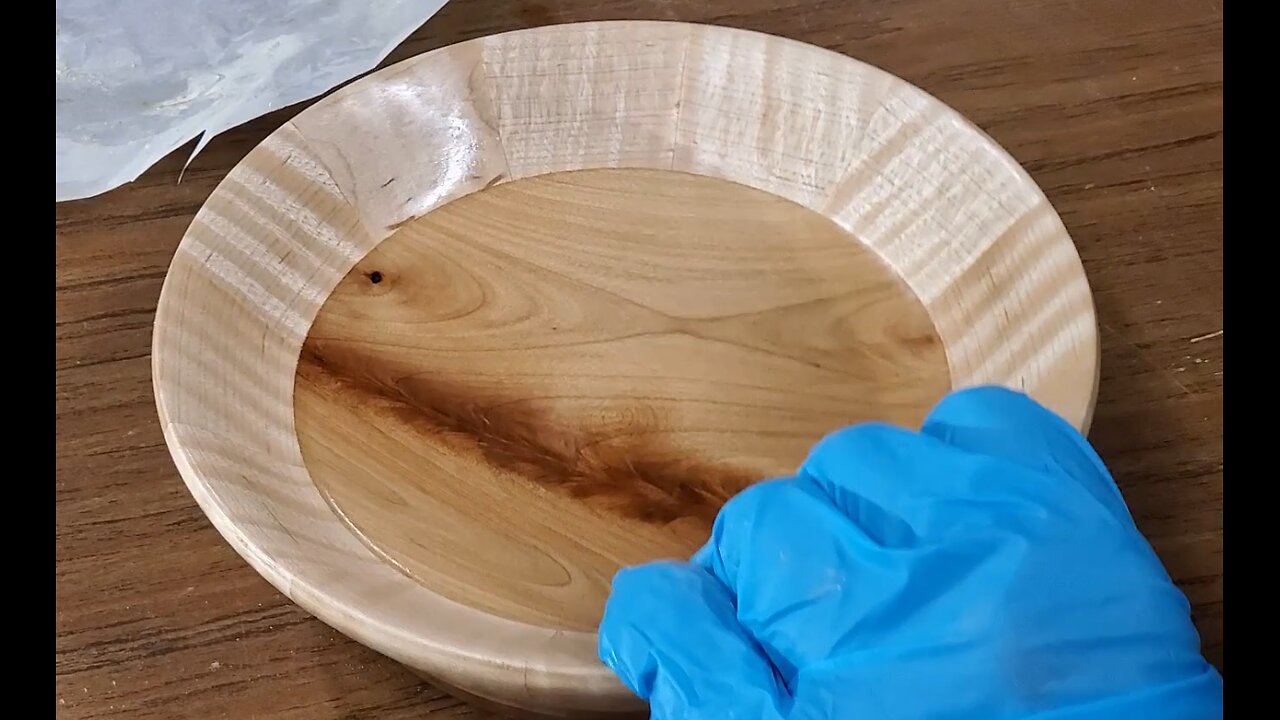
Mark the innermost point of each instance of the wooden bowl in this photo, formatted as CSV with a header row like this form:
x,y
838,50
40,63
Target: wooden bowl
x,y
461,339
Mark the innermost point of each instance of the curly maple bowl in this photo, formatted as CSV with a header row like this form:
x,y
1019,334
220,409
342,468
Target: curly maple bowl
x,y
461,339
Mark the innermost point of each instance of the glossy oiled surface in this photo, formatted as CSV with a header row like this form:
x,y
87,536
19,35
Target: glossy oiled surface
x,y
1115,109
929,196
522,391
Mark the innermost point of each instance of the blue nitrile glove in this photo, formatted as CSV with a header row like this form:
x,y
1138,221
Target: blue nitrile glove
x,y
983,568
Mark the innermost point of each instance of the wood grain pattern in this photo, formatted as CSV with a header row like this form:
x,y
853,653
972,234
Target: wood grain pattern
x,y
515,395
933,199
1115,110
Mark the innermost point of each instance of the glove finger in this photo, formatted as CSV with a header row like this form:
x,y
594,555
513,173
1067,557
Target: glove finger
x,y
801,572
879,526
813,581
904,488
669,632
1004,423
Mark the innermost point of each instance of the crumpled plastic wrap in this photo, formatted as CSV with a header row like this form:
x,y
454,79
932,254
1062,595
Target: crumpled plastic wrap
x,y
135,79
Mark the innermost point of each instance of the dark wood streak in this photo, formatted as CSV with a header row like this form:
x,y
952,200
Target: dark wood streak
x,y
1065,85
636,474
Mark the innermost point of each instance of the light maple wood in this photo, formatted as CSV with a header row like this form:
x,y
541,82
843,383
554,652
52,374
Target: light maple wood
x,y
520,392
917,193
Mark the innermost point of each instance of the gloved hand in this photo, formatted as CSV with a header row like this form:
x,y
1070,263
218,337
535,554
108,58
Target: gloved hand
x,y
983,568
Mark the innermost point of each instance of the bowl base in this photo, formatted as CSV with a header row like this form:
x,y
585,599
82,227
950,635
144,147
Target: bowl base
x,y
531,386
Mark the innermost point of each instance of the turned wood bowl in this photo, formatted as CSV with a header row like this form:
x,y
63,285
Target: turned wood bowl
x,y
461,339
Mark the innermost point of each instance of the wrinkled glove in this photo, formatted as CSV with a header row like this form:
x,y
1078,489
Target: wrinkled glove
x,y
985,567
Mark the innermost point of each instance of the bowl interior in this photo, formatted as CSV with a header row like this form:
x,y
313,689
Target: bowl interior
x,y
522,391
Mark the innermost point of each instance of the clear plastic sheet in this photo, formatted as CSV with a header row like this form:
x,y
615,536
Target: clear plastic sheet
x,y
135,79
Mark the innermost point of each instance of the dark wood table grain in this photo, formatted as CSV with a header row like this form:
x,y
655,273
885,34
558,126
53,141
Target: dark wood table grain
x,y
1114,108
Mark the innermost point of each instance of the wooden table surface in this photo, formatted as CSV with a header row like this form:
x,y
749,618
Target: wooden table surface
x,y
1114,108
